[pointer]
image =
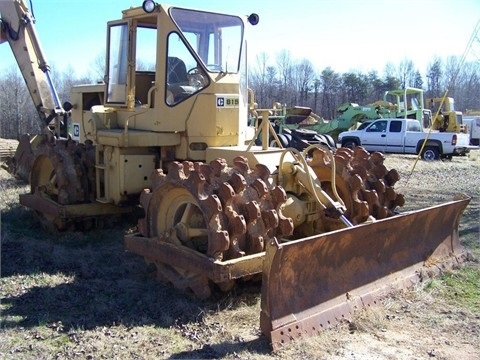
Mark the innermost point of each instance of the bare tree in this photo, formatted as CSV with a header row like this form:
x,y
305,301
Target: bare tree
x,y
66,80
316,91
285,69
258,79
434,76
273,85
467,89
451,74
305,76
98,68
17,112
406,73
331,83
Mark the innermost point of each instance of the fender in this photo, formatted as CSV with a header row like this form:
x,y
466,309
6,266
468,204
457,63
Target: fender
x,y
351,138
430,142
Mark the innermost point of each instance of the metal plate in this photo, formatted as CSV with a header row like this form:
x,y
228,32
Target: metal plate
x,y
316,282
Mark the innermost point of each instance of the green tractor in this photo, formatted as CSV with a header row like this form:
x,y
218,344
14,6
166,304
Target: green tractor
x,y
299,127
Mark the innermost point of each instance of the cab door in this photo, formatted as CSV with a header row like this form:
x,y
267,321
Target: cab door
x,y
395,137
375,138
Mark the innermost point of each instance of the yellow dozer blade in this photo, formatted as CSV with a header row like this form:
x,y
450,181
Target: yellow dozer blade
x,y
313,283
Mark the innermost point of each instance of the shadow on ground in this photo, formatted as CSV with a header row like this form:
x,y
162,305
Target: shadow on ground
x,y
87,280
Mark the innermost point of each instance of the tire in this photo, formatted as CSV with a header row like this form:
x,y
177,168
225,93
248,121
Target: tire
x,y
322,140
330,140
349,144
283,141
430,153
289,139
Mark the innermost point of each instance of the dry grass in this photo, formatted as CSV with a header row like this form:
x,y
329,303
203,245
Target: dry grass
x,y
81,296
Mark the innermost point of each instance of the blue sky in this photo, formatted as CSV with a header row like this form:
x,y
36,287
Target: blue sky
x,y
346,35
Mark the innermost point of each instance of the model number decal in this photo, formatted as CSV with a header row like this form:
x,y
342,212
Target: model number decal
x,y
75,131
230,101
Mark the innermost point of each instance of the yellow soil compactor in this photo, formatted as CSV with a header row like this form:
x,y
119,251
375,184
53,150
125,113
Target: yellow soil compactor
x,y
169,132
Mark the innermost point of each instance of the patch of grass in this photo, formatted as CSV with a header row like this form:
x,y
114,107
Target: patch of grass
x,y
460,288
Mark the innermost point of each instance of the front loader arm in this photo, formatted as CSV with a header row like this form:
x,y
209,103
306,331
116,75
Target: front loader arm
x,y
17,27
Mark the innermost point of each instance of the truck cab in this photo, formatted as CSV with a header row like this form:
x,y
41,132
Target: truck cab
x,y
406,136
384,135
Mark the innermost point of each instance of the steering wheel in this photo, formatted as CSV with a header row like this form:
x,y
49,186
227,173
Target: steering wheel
x,y
193,71
197,77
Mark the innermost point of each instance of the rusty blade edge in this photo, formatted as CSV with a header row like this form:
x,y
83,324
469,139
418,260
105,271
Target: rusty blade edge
x,y
313,283
342,308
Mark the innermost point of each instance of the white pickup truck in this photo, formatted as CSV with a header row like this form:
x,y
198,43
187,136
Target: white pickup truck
x,y
405,136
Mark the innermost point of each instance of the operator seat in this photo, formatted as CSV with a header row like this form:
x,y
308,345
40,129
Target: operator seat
x,y
176,71
178,87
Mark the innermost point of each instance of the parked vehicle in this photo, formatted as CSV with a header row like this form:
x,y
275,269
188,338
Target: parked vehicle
x,y
405,136
473,129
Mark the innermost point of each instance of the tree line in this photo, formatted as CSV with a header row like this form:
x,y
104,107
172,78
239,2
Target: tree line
x,y
295,82
290,81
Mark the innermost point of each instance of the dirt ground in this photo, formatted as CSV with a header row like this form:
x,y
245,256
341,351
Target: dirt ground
x,y
82,296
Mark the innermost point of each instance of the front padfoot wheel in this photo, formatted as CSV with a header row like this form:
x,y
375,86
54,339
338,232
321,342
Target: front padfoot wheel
x,y
220,211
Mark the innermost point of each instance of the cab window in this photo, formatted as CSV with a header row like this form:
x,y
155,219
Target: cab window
x,y
378,126
395,126
184,74
413,126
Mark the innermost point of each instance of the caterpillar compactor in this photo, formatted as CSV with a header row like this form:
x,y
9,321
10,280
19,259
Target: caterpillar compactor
x,y
169,131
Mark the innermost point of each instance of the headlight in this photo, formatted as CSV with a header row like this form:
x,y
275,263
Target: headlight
x,y
148,6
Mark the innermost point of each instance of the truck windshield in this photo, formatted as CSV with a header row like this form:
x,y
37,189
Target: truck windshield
x,y
216,38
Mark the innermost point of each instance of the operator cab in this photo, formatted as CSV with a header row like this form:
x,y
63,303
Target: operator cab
x,y
175,79
199,46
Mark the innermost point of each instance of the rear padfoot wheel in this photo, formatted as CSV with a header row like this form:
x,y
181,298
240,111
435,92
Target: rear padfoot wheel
x,y
59,173
363,182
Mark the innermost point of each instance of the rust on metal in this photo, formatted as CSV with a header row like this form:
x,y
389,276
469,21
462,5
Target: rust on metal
x,y
220,212
21,163
233,207
353,267
47,206
362,181
183,257
61,186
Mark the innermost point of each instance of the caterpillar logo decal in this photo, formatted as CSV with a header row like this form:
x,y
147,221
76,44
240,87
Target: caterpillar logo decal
x,y
75,131
228,101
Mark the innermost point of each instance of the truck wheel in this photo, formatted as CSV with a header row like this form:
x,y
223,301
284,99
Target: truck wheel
x,y
430,153
330,141
327,140
350,144
283,141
